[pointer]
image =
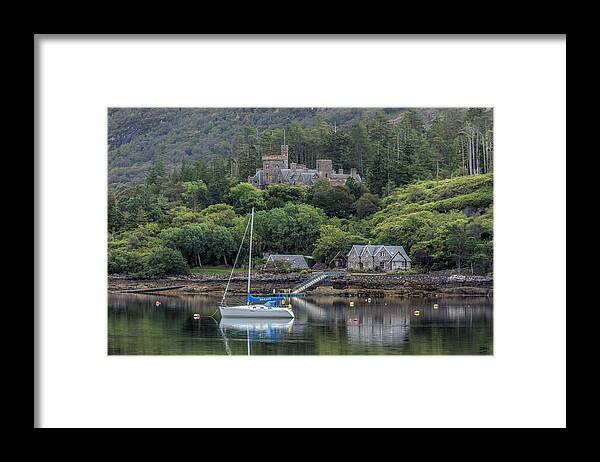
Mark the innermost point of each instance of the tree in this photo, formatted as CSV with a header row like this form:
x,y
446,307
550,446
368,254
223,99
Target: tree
x,y
331,241
457,242
194,194
115,215
277,195
156,177
123,261
220,215
181,215
337,145
244,196
356,189
165,261
290,229
360,145
367,205
335,200
191,240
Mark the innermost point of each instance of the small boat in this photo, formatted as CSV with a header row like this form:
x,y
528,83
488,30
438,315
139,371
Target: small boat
x,y
266,307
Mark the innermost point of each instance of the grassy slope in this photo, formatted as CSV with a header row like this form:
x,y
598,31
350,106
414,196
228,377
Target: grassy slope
x,y
441,196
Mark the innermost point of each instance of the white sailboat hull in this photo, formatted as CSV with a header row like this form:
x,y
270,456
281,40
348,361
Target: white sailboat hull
x,y
255,311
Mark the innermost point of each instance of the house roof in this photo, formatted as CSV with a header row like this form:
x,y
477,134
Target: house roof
x,y
307,177
394,249
286,174
296,261
373,249
258,177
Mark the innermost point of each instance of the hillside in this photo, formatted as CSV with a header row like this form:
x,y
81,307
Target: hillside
x,y
137,137
442,224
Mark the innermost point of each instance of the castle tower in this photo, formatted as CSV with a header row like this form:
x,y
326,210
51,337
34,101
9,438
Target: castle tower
x,y
324,168
284,154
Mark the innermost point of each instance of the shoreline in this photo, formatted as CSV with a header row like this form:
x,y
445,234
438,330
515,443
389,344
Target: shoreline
x,y
347,285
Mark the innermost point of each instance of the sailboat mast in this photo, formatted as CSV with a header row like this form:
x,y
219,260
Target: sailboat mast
x,y
250,253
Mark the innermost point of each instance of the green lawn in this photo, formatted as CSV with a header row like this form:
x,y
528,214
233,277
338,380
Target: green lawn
x,y
216,270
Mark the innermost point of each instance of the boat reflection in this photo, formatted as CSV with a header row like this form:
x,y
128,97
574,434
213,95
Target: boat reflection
x,y
258,327
255,329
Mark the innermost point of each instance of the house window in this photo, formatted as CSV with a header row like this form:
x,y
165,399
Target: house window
x,y
382,265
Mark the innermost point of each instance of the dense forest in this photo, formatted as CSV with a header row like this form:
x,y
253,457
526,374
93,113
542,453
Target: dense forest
x,y
178,196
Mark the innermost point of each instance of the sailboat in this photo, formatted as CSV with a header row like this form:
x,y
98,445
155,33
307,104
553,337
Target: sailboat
x,y
255,307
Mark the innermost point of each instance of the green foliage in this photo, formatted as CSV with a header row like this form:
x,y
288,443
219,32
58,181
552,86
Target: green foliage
x,y
244,196
194,193
336,200
220,215
442,224
366,205
389,147
291,229
180,215
123,261
165,261
277,195
332,240
199,243
196,202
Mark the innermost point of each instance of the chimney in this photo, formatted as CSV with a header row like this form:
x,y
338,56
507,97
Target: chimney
x,y
341,171
293,166
353,172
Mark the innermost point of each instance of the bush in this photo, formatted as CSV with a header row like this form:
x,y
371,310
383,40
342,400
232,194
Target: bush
x,y
166,261
122,261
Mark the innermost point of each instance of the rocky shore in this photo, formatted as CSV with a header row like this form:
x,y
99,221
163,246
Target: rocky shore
x,y
373,285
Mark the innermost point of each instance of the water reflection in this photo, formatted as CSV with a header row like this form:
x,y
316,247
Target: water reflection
x,y
323,325
255,330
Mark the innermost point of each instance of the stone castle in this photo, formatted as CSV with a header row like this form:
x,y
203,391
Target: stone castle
x,y
277,170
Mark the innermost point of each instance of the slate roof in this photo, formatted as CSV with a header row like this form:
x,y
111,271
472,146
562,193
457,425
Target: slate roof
x,y
296,261
307,177
372,249
258,177
286,174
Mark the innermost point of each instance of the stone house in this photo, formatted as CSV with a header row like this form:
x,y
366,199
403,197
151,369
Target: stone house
x,y
382,257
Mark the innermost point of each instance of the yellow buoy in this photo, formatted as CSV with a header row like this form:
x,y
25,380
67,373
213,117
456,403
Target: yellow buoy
x,y
351,303
435,306
417,313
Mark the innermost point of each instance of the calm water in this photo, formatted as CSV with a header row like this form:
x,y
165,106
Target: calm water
x,y
323,326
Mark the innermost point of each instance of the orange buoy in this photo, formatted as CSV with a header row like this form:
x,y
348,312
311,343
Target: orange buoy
x,y
157,303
